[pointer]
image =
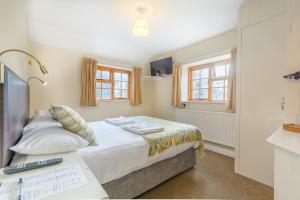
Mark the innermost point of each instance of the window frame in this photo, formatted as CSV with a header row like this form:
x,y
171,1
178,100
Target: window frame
x,y
112,82
211,78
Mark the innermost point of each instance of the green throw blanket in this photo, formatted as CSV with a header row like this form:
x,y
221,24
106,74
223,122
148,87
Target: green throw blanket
x,y
174,134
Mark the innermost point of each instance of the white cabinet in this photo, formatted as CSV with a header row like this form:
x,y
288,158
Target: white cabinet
x,y
258,11
250,13
269,46
264,47
286,165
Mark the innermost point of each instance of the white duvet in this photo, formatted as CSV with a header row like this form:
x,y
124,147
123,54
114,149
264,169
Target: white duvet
x,y
118,153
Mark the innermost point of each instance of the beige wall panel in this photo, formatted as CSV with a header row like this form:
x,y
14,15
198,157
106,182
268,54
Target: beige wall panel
x,y
64,85
250,13
201,50
14,34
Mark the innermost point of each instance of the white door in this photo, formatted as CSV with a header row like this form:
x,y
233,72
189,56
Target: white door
x,y
264,48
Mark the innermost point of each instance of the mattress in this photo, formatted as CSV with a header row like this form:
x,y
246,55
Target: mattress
x,y
118,153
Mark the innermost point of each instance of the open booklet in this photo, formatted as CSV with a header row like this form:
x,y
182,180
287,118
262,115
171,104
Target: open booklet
x,y
43,184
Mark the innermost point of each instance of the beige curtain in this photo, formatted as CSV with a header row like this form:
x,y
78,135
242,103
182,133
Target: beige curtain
x,y
176,88
136,90
88,83
232,82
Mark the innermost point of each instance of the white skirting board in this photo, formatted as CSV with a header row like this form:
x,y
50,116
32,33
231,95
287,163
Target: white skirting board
x,y
227,151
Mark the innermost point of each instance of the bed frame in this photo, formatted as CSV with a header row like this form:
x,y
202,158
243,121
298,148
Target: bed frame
x,y
14,106
139,182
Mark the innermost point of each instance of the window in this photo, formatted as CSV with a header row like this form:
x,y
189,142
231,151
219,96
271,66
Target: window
x,y
112,83
209,82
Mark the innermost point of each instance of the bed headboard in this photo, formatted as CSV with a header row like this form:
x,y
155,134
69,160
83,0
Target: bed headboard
x,y
14,111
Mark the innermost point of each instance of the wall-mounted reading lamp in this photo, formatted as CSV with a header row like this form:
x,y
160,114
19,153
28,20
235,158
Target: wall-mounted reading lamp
x,y
42,67
37,78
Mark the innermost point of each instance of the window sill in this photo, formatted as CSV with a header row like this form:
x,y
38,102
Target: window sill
x,y
206,102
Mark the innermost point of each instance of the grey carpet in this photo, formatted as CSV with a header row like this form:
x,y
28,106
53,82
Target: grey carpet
x,y
212,178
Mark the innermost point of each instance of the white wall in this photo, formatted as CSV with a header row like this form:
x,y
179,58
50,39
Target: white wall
x,y
64,85
215,46
64,81
14,34
268,49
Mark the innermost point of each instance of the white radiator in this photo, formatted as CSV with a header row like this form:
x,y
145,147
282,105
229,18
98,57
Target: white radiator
x,y
216,127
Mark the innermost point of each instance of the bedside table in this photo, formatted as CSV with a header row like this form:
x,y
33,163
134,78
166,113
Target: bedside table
x,y
92,190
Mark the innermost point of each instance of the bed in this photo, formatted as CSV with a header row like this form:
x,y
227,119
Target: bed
x,y
121,176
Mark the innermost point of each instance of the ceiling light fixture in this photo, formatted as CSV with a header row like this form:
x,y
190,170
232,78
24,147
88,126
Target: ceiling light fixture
x,y
141,28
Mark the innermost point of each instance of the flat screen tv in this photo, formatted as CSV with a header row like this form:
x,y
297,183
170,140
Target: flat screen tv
x,y
161,67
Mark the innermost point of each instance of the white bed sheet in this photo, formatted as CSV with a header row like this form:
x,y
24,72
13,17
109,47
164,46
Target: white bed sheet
x,y
118,153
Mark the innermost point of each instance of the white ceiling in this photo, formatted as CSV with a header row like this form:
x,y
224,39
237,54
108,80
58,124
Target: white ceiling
x,y
103,27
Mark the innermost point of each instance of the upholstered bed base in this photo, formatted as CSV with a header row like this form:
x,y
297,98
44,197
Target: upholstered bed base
x,y
138,182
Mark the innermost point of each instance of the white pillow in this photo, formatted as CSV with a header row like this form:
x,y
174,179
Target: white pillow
x,y
41,112
49,140
40,121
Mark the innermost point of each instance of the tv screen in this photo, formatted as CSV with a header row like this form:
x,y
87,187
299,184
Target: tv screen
x,y
161,67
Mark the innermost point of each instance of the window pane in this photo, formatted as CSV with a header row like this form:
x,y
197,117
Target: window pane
x,y
106,85
98,85
204,83
196,94
125,94
117,76
217,94
118,84
204,94
98,75
205,73
196,84
118,94
218,83
98,93
106,94
220,71
124,77
196,74
105,75
125,85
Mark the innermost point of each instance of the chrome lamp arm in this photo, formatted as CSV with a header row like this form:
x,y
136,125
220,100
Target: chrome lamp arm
x,y
42,67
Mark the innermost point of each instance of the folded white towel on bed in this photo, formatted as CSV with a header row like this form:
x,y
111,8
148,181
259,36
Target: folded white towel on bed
x,y
142,128
119,121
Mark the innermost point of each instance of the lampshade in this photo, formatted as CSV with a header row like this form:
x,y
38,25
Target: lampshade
x,y
141,28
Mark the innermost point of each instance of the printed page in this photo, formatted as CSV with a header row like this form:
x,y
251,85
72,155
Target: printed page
x,y
44,184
